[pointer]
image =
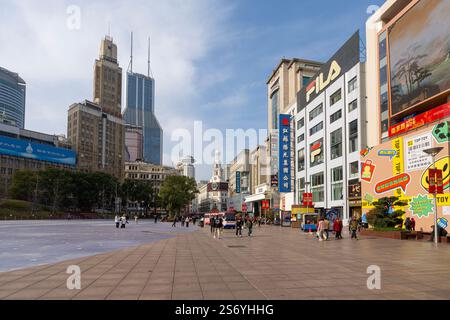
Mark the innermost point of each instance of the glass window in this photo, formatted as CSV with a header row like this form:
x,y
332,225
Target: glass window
x,y
300,123
336,143
384,102
301,160
354,169
335,97
316,128
384,126
305,80
335,116
317,188
337,174
274,100
353,136
353,105
352,84
316,152
316,111
300,138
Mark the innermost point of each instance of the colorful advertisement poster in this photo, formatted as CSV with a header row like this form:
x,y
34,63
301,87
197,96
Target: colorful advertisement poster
x,y
415,158
284,156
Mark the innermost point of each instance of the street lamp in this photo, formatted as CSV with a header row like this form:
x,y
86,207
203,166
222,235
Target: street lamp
x,y
433,152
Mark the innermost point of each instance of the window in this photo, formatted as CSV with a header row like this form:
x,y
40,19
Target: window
x,y
336,183
300,138
316,111
316,128
300,123
352,85
317,188
305,80
274,100
353,105
316,152
336,143
384,126
336,116
301,160
353,136
335,97
354,169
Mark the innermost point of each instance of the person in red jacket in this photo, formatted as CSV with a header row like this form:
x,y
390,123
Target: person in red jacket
x,y
337,228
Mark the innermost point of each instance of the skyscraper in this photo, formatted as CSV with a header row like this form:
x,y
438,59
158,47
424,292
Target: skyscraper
x,y
12,98
140,111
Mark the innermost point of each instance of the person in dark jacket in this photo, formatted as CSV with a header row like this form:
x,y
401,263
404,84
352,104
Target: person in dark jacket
x,y
337,228
239,226
249,226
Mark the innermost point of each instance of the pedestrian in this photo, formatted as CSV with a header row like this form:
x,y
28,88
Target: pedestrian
x,y
182,221
354,227
136,219
249,226
174,224
218,227
156,218
408,224
337,228
187,222
326,226
413,224
117,221
320,230
123,222
239,227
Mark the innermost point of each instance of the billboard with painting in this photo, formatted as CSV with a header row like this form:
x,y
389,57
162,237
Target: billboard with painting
x,y
419,49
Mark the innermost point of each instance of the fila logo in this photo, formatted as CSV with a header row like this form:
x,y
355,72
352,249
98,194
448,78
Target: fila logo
x,y
318,84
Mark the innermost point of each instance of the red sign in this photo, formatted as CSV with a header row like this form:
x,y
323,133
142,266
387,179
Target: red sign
x,y
435,181
398,181
265,204
420,120
367,170
307,199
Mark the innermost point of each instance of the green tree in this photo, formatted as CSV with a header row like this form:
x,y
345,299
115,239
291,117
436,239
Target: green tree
x,y
381,218
23,185
176,192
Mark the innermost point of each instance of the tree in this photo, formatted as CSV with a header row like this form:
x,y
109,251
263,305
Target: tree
x,y
177,192
383,215
23,185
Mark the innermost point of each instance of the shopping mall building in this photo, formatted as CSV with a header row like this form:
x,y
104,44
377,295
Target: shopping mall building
x,y
408,56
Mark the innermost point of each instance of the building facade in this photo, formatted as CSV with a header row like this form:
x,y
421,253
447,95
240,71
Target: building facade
x,y
330,124
24,149
239,183
408,55
12,98
186,167
97,137
133,143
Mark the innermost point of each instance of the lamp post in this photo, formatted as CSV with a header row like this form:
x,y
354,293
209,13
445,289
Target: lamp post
x,y
433,152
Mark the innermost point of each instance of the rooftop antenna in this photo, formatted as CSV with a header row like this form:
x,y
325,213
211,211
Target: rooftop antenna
x,y
130,66
149,71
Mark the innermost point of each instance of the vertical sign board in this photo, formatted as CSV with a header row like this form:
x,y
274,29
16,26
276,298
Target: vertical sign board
x,y
238,182
284,156
274,150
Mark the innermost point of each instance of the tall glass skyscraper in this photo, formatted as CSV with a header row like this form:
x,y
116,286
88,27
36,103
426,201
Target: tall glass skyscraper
x,y
12,98
140,111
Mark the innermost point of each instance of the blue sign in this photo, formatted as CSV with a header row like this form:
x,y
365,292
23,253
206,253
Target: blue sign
x,y
37,151
238,182
284,153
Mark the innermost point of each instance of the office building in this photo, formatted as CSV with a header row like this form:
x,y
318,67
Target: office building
x,y
133,143
12,98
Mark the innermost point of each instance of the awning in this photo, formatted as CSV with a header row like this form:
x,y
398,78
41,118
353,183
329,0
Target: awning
x,y
255,197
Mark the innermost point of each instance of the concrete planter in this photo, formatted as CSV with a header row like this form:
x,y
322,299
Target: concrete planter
x,y
382,234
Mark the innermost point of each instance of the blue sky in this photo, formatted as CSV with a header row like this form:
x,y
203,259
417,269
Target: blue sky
x,y
210,59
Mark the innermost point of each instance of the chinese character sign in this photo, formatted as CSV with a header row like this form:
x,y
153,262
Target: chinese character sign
x,y
284,155
238,182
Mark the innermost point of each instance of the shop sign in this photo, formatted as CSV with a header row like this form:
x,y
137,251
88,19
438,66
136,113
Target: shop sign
x,y
318,84
307,199
400,181
415,158
367,170
420,120
265,204
238,182
316,149
284,156
354,190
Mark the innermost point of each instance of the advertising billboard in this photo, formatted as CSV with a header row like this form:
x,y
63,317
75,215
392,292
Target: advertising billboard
x,y
37,151
419,46
284,157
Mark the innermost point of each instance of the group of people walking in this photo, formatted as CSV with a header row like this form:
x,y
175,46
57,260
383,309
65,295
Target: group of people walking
x,y
184,221
247,222
323,228
121,221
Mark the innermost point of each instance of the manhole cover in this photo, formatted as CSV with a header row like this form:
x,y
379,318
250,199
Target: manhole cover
x,y
237,246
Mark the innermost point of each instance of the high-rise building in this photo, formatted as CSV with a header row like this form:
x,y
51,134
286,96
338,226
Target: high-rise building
x,y
12,98
186,167
98,138
133,143
108,79
140,111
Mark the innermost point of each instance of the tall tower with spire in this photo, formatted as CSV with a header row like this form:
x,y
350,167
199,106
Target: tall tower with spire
x,y
108,79
140,110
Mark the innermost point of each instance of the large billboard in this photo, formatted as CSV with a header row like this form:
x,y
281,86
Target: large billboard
x,y
284,157
37,151
419,48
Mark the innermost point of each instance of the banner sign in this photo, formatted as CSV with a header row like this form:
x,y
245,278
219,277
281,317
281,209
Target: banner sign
x,y
284,156
238,182
38,151
415,158
308,199
435,181
265,204
399,181
420,120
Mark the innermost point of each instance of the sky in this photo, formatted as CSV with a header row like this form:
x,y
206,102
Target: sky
x,y
210,58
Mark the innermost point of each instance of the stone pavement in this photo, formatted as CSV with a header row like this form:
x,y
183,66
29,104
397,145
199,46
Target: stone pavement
x,y
276,263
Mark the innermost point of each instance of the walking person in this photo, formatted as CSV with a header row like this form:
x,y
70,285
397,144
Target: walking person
x,y
354,227
249,226
239,227
211,224
156,218
408,224
117,221
320,229
218,227
326,226
337,228
136,219
123,222
174,224
413,224
187,222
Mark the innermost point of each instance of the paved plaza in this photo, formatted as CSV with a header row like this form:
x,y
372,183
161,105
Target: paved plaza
x,y
276,263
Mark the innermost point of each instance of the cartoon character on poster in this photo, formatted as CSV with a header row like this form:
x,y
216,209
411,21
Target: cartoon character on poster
x,y
367,170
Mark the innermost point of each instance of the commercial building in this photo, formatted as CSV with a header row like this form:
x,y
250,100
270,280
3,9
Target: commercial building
x,y
408,55
330,124
140,111
133,143
186,167
239,184
25,149
96,129
12,98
